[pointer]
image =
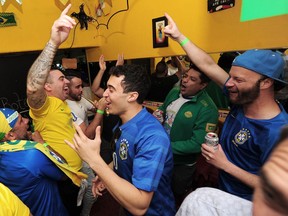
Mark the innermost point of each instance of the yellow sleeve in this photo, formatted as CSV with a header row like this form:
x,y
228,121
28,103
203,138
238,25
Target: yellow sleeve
x,y
10,204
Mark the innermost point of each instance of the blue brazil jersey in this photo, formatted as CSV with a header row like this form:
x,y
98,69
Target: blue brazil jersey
x,y
247,143
144,158
33,178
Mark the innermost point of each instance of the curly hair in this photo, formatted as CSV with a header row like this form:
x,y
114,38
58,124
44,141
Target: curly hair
x,y
136,79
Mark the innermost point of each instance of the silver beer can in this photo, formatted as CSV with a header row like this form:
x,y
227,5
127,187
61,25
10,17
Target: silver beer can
x,y
159,115
211,139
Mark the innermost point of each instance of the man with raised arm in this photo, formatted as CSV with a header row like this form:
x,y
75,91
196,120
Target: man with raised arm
x,y
253,125
47,90
96,89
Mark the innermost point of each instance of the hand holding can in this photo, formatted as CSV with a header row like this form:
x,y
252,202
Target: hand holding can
x,y
211,139
159,115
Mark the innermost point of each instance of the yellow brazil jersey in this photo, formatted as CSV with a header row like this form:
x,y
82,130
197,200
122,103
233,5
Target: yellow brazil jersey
x,y
10,204
54,122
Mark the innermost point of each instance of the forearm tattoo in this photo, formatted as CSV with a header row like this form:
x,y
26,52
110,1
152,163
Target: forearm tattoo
x,y
38,74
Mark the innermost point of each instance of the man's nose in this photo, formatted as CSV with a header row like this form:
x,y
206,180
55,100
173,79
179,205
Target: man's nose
x,y
105,94
26,120
67,81
184,79
229,82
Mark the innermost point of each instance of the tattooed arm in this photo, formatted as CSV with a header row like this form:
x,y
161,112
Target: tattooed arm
x,y
39,71
37,76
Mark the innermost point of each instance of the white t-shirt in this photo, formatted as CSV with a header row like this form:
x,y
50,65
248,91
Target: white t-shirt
x,y
79,110
171,112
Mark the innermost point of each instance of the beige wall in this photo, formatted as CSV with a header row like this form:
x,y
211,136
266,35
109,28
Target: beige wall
x,y
131,32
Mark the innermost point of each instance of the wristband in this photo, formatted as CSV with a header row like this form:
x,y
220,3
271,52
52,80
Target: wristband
x,y
45,144
185,41
100,111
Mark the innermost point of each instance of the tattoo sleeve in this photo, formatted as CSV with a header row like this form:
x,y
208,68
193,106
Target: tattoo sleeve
x,y
37,76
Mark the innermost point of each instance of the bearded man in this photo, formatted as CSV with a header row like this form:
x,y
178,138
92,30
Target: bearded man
x,y
253,125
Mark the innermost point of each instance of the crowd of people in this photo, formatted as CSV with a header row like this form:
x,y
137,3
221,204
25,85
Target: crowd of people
x,y
59,168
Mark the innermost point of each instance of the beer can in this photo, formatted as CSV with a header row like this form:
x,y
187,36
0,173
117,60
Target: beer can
x,y
159,115
211,139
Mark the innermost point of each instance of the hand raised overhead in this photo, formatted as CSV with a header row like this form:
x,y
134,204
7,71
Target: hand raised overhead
x,y
61,28
171,29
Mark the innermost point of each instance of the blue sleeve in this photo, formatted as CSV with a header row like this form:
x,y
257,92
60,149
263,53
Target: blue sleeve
x,y
149,162
42,165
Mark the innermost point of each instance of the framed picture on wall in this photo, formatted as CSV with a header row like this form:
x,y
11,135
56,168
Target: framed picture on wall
x,y
159,38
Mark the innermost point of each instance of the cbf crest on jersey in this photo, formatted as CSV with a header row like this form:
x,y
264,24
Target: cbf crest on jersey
x,y
242,136
123,149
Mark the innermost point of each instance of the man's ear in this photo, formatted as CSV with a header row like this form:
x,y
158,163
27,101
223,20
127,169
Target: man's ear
x,y
10,136
266,83
133,96
203,85
47,86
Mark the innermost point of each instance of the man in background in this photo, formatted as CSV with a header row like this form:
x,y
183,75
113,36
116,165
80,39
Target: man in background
x,y
187,114
161,83
79,108
109,120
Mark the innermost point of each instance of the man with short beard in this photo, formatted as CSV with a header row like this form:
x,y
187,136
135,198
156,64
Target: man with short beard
x,y
80,106
254,122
